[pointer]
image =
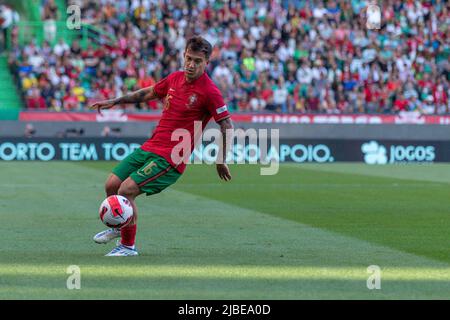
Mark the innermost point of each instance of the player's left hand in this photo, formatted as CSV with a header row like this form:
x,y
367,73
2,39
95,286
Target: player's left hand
x,y
223,171
100,105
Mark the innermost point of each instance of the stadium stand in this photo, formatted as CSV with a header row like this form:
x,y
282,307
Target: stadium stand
x,y
10,101
269,56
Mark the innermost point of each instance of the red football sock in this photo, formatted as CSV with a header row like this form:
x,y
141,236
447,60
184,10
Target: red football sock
x,y
128,234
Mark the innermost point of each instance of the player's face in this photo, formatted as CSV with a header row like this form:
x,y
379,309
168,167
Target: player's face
x,y
194,64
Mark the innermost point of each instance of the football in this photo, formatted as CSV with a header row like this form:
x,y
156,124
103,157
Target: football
x,y
116,211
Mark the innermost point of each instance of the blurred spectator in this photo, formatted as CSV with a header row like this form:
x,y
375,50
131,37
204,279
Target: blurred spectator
x,y
49,15
35,100
71,102
107,131
29,130
401,103
222,71
312,101
257,103
280,95
8,17
327,58
61,47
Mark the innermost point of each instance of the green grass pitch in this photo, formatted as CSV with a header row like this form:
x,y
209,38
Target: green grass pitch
x,y
309,232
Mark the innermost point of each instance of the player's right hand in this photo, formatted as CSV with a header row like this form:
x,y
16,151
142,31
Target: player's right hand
x,y
102,105
223,171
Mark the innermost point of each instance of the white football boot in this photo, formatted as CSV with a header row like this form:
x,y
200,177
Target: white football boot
x,y
106,236
122,251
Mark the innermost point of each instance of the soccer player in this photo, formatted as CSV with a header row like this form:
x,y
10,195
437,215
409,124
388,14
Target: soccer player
x,y
188,96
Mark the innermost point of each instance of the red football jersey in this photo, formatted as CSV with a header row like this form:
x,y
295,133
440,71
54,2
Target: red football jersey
x,y
184,103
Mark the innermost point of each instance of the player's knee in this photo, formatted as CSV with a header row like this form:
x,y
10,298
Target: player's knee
x,y
112,185
129,189
129,193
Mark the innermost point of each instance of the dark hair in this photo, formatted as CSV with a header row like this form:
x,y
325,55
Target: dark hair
x,y
199,44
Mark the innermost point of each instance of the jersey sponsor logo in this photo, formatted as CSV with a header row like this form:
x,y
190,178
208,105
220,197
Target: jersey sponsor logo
x,y
221,109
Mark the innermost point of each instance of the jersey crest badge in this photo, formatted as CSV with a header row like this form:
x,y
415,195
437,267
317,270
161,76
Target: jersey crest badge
x,y
192,100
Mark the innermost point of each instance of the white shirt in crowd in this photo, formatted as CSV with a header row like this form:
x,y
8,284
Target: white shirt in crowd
x,y
9,16
60,48
319,13
222,72
280,95
257,104
262,64
304,75
283,52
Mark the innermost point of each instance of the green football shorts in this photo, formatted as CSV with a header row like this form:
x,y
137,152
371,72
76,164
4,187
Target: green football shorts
x,y
152,173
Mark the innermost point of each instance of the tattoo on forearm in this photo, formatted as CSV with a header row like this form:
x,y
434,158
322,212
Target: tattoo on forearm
x,y
134,97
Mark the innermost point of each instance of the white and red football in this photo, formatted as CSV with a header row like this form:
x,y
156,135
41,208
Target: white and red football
x,y
116,211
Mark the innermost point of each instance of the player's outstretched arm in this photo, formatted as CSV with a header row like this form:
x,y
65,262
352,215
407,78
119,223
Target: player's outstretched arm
x,y
138,96
226,127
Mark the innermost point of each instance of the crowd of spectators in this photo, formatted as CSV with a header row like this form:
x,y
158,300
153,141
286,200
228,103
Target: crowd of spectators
x,y
269,56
